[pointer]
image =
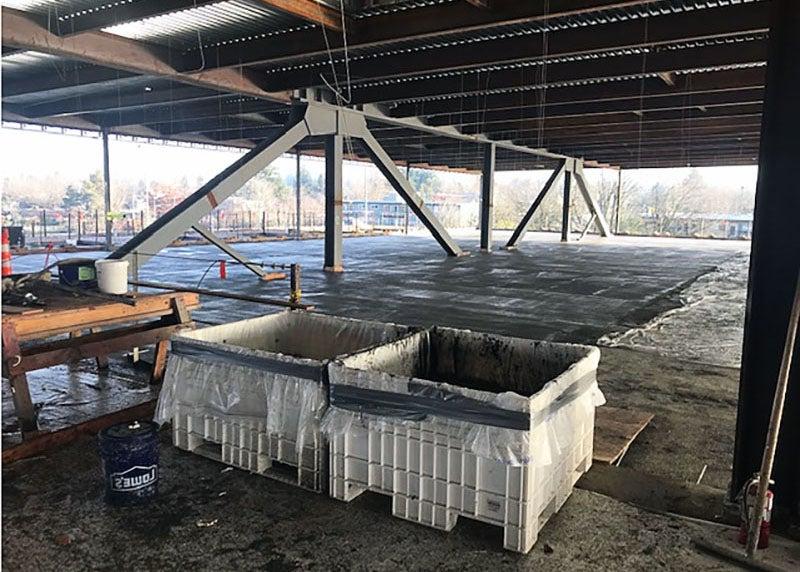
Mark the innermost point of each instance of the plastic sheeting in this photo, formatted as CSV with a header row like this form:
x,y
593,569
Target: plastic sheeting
x,y
708,325
272,368
553,386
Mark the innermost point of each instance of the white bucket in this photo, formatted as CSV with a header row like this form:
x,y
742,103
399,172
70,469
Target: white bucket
x,y
112,276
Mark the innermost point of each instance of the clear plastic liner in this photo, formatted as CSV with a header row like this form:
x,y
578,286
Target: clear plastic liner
x,y
555,409
269,369
707,327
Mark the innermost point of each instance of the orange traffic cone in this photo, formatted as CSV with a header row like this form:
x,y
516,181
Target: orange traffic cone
x,y
6,254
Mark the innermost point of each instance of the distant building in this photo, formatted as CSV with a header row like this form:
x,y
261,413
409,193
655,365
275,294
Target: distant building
x,y
393,213
720,225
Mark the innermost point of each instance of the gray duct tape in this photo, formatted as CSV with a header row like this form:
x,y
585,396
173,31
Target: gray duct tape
x,y
423,400
246,359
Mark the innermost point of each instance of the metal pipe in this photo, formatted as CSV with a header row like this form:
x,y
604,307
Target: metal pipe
x,y
106,191
220,294
297,195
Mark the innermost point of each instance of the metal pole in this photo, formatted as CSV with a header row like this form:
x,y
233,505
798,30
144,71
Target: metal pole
x,y
297,194
295,292
106,189
141,220
487,191
80,217
565,218
44,223
96,226
618,201
408,176
264,222
69,225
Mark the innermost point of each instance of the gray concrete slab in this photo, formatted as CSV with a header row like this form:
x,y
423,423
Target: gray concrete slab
x,y
544,290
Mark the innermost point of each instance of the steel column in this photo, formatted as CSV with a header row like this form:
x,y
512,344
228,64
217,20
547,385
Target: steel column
x,y
487,196
408,176
229,250
297,195
522,227
618,201
409,195
107,189
565,211
774,266
333,203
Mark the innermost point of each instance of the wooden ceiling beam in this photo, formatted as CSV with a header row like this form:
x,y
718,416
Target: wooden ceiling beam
x,y
124,54
308,10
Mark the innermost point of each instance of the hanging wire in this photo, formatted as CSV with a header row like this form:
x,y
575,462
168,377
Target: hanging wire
x,y
543,96
642,81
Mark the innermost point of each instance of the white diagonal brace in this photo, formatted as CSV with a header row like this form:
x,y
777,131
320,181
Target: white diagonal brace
x,y
594,207
409,195
522,227
229,250
193,208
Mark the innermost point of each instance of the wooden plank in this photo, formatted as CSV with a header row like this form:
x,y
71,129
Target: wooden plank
x,y
94,345
124,54
8,309
55,322
46,441
614,431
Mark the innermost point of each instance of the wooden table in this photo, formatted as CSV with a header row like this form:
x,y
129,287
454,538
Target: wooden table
x,y
109,327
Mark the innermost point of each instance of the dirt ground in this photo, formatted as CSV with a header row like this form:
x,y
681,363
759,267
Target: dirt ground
x,y
54,518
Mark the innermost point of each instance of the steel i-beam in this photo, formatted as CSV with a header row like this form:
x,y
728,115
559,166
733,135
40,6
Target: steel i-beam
x,y
333,203
487,196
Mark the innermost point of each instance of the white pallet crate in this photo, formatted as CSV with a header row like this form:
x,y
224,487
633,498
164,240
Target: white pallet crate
x,y
252,393
454,423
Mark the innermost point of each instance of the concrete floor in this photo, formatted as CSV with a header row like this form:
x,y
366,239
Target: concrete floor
x,y
575,292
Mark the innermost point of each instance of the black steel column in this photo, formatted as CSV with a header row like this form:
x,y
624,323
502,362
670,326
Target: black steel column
x,y
297,196
774,265
487,197
107,190
565,218
333,203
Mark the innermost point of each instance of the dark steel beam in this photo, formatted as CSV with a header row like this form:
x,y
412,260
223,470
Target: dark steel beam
x,y
179,111
686,84
774,270
592,69
487,197
65,82
649,105
621,35
400,25
686,116
132,99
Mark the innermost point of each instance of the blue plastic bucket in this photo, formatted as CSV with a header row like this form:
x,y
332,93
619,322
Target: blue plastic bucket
x,y
130,462
78,273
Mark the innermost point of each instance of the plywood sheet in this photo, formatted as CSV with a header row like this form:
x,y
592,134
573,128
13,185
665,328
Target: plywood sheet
x,y
614,431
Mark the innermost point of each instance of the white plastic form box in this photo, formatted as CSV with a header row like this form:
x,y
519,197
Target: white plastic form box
x,y
252,393
454,423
